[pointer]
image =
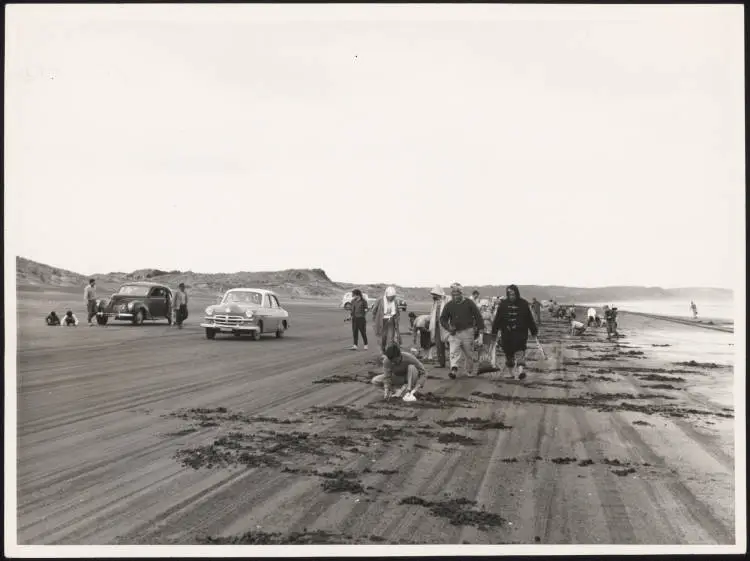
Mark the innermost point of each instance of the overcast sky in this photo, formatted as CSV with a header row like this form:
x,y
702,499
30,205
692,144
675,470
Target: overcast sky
x,y
586,146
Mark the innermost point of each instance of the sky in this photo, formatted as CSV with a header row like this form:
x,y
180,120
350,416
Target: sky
x,y
567,145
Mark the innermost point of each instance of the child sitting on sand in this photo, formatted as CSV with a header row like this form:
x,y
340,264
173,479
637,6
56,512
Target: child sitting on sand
x,y
70,319
53,319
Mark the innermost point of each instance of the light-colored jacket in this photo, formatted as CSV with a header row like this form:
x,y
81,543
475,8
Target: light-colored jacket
x,y
377,319
437,308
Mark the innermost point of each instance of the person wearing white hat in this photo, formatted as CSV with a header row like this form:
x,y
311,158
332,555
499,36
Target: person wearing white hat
x,y
461,318
387,319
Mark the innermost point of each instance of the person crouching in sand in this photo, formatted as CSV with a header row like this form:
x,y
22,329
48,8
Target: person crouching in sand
x,y
387,319
53,319
514,321
421,335
577,328
70,319
402,370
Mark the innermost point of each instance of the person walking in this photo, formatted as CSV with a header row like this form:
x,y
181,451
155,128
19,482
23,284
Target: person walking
x,y
694,309
461,319
359,319
180,306
89,296
513,321
536,308
438,335
489,343
386,318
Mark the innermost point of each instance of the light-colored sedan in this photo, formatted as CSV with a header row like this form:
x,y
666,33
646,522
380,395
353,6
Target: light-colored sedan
x,y
251,311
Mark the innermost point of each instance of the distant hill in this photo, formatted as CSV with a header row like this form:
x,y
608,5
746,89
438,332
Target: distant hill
x,y
315,283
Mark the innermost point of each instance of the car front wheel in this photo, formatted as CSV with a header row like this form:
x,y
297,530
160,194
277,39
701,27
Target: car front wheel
x,y
102,320
280,331
210,334
255,335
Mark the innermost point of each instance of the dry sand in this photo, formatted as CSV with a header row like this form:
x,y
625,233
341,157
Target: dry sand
x,y
157,436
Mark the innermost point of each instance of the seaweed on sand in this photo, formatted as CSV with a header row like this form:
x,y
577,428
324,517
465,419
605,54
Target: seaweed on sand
x,y
458,512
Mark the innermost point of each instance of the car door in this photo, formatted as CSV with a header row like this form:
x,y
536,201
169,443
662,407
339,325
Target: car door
x,y
277,312
157,302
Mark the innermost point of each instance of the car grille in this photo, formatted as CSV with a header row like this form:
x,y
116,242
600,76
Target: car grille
x,y
229,321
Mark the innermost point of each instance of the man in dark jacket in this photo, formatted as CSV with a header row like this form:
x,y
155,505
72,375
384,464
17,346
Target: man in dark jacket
x,y
461,318
514,321
359,318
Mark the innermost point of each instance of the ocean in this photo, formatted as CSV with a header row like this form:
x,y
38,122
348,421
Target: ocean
x,y
676,308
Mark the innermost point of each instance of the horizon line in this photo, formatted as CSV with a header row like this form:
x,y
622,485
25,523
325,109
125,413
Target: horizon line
x,y
469,285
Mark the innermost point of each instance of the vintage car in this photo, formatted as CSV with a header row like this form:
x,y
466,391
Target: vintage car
x,y
136,302
252,311
346,301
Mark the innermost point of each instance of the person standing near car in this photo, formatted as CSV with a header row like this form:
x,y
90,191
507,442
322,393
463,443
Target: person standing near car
x,y
461,318
358,311
180,305
89,296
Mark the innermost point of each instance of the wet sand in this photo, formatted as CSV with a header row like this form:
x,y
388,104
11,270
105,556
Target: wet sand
x,y
157,436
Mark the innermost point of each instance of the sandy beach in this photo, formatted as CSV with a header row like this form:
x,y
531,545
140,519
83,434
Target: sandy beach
x,y
157,436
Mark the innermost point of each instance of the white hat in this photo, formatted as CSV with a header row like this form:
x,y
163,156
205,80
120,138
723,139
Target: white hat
x,y
390,291
456,287
437,291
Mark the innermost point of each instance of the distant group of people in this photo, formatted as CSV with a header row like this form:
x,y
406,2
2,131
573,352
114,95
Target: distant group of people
x,y
578,328
178,308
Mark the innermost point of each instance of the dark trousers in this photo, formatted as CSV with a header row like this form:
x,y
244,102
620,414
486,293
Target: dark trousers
x,y
91,309
180,314
359,325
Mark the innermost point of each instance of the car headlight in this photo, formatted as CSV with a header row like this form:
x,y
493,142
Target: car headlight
x,y
209,312
130,305
249,313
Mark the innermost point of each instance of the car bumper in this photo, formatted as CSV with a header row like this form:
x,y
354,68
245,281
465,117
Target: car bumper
x,y
115,315
229,328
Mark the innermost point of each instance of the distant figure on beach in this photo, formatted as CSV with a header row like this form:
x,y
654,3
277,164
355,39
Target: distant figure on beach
x,y
513,322
89,296
475,297
70,319
577,328
593,319
694,309
358,311
536,308
53,319
610,317
180,306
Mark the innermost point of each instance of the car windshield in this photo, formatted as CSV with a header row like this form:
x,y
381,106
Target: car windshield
x,y
244,297
133,290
